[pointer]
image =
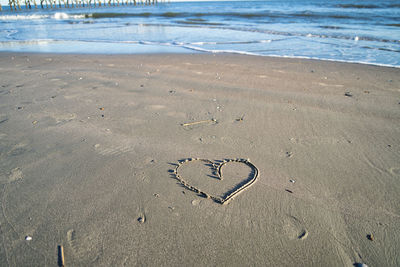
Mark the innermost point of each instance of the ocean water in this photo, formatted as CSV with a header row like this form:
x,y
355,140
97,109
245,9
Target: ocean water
x,y
340,30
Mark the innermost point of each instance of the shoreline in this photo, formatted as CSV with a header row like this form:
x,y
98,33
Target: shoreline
x,y
194,51
90,144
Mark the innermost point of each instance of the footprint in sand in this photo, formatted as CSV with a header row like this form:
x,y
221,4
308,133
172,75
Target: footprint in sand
x,y
205,139
293,229
155,107
196,202
314,141
15,174
85,247
17,149
113,150
71,237
59,118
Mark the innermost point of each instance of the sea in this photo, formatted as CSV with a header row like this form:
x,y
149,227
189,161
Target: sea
x,y
339,30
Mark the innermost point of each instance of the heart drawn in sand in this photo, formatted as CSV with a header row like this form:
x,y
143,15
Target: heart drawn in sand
x,y
245,177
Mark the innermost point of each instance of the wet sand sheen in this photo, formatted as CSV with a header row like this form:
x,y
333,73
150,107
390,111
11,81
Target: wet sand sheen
x,y
89,145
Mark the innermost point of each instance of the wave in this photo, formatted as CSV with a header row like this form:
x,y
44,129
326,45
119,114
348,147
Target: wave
x,y
176,43
229,51
368,6
192,17
143,14
322,15
282,33
199,15
382,49
357,6
143,42
57,16
23,17
331,27
190,22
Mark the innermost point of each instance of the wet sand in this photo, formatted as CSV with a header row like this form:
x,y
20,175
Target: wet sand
x,y
90,145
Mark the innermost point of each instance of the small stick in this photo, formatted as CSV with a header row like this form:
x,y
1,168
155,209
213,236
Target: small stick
x,y
61,256
198,122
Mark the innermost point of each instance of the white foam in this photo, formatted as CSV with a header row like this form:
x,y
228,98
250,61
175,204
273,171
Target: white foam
x,y
58,16
61,15
23,17
219,51
280,56
204,43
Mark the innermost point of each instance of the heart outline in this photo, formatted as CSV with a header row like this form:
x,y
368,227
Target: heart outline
x,y
228,195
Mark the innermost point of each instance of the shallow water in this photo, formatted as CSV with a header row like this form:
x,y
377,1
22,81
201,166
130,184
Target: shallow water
x,y
334,30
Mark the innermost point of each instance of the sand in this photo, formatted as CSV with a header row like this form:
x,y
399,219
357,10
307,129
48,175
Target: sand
x,y
89,145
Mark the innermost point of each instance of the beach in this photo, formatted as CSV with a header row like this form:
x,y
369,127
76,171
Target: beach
x,y
90,146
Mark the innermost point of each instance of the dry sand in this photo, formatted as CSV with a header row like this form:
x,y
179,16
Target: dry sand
x,y
89,145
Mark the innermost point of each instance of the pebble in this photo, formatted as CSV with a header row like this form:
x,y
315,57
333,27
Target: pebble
x,y
303,235
28,238
370,237
348,94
